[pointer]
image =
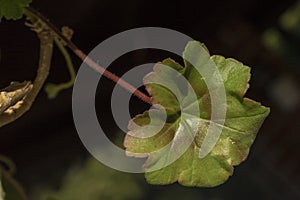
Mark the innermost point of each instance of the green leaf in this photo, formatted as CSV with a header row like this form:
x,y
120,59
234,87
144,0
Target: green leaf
x,y
244,117
13,9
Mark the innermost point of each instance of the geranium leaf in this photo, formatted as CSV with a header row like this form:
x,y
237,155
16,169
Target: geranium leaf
x,y
244,117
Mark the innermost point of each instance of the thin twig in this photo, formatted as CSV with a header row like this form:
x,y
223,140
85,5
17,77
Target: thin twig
x,y
86,59
53,89
68,60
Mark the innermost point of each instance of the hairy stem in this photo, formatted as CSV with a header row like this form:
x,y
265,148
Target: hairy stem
x,y
46,49
31,12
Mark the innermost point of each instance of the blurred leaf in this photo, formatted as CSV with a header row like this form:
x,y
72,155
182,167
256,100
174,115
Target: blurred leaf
x,y
13,9
290,19
284,38
93,181
243,120
273,40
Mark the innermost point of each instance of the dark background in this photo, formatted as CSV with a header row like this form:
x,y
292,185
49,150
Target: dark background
x,y
44,142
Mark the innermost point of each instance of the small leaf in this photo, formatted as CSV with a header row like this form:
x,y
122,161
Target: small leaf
x,y
244,117
13,9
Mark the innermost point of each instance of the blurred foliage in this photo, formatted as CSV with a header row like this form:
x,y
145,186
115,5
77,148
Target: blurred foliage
x,y
273,40
93,181
284,37
13,9
290,20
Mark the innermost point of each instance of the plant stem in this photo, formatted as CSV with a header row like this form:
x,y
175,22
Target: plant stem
x,y
15,183
67,59
46,49
52,89
86,59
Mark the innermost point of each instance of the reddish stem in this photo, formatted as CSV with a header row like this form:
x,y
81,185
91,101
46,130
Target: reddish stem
x,y
112,76
89,61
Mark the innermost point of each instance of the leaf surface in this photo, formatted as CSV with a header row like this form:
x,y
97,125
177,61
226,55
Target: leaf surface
x,y
244,117
13,9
